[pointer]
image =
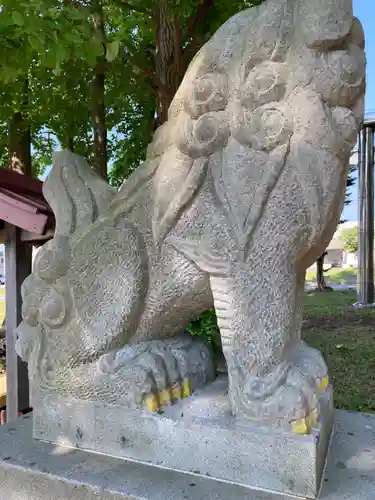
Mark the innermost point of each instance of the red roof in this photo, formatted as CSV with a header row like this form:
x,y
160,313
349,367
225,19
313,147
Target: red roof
x,y
22,203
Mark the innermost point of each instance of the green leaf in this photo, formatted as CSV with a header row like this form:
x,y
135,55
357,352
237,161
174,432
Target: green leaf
x,y
49,59
10,74
18,18
62,53
112,50
57,70
34,42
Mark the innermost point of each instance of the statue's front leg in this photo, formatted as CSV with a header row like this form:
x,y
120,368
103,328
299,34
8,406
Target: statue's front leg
x,y
256,314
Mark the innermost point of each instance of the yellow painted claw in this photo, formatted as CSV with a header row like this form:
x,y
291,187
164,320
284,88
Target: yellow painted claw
x,y
304,425
301,426
186,389
313,417
323,384
154,402
176,392
165,397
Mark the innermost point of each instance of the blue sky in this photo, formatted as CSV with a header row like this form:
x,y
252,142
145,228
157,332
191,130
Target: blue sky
x,y
365,11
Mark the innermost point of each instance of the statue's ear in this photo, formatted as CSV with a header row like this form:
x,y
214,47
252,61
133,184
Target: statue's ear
x,y
323,22
76,194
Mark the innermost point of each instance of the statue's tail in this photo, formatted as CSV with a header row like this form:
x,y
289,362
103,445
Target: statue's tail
x,y
76,194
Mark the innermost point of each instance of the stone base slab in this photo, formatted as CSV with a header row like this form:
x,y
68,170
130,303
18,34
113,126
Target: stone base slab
x,y
198,435
34,470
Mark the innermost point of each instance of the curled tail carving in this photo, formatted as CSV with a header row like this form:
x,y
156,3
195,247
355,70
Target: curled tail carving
x,y
76,194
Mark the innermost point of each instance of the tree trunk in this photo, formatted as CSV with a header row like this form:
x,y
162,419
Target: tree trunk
x,y
98,100
70,143
67,142
19,152
169,65
320,280
69,132
19,139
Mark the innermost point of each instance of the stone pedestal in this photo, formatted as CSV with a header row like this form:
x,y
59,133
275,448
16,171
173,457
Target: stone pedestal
x,y
33,470
198,435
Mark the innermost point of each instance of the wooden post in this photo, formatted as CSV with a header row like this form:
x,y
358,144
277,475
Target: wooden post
x,y
18,259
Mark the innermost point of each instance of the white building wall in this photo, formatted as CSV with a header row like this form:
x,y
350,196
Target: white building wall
x,y
350,260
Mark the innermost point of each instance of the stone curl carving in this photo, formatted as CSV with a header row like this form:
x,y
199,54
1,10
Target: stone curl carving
x,y
338,77
241,191
265,83
208,93
204,136
264,128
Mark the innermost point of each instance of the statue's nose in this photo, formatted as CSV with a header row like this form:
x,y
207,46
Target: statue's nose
x,y
323,22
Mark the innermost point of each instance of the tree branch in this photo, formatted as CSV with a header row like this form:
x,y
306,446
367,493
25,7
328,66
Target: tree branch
x,y
156,85
192,35
141,10
75,3
198,18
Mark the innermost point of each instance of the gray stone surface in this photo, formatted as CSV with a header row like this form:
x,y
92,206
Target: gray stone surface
x,y
241,191
199,435
32,470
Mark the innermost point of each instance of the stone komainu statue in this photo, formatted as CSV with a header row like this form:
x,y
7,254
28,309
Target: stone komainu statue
x,y
241,191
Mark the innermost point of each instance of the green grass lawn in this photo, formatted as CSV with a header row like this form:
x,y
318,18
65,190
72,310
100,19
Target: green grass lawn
x,y
346,338
336,275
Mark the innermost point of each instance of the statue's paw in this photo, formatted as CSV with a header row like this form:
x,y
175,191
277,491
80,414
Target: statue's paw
x,y
177,368
169,384
311,362
127,386
285,397
306,385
